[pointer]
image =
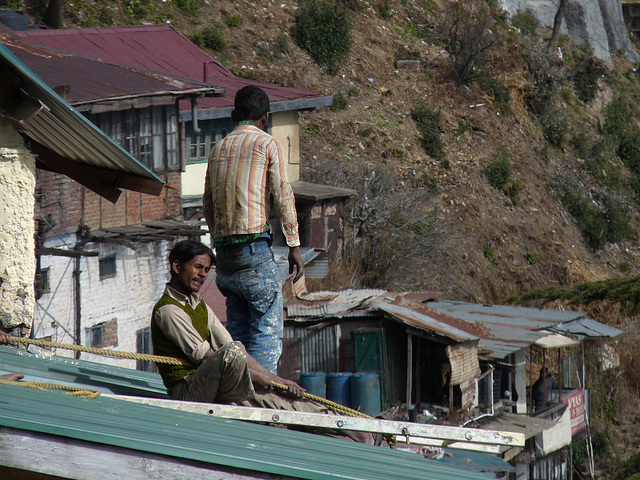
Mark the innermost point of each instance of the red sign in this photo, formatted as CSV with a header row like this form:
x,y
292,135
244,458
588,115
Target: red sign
x,y
576,410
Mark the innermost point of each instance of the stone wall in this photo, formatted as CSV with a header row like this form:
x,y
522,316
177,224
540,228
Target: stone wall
x,y
17,254
597,25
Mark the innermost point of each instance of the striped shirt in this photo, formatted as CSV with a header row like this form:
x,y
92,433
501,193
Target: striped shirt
x,y
244,168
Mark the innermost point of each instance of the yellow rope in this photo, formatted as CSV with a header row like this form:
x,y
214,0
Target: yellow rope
x,y
75,391
99,351
336,407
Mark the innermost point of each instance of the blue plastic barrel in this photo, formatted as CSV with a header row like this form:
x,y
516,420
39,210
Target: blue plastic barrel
x,y
339,388
314,383
365,393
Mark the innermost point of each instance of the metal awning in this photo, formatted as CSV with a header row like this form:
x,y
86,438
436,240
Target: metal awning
x,y
64,139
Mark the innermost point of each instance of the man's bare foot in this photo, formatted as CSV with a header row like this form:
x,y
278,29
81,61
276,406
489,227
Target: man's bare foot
x,y
14,377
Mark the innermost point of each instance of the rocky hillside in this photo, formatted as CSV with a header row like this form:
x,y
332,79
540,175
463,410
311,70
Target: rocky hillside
x,y
476,242
425,223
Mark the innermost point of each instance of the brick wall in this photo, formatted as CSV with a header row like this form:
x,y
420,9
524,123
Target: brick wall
x,y
110,333
66,205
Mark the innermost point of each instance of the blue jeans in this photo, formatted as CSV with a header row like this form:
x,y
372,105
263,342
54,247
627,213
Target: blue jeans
x,y
249,277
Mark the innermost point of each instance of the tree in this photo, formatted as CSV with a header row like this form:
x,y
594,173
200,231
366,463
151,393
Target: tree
x,y
53,14
557,24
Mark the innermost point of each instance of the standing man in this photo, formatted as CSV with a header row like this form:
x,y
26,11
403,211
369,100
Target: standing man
x,y
244,169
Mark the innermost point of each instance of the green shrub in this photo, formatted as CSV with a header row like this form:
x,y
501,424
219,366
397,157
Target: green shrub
x,y
619,119
190,7
384,9
501,94
430,123
531,258
397,153
499,171
624,267
490,254
513,191
526,23
600,225
234,21
554,126
323,29
313,128
339,102
281,45
588,72
210,38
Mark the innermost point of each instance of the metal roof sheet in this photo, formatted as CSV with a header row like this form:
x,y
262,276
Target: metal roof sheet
x,y
162,48
193,437
59,128
340,303
587,327
513,328
410,317
518,317
92,81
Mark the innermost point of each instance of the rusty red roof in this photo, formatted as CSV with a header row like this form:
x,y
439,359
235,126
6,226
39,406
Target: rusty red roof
x,y
162,48
91,81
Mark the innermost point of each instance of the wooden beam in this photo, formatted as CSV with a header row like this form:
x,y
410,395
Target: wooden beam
x,y
444,433
43,454
61,252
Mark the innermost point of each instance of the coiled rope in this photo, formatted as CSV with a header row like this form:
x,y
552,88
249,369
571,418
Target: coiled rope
x,y
75,391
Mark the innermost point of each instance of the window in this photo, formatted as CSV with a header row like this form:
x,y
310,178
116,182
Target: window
x,y
148,134
201,144
173,159
143,345
108,267
42,282
95,337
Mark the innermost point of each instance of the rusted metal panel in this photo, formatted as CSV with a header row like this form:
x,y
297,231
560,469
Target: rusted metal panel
x,y
319,347
93,81
162,48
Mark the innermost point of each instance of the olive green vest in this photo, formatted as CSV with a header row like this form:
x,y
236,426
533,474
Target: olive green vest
x,y
162,345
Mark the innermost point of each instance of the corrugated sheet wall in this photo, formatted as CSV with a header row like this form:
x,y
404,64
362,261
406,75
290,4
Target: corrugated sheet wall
x,y
320,347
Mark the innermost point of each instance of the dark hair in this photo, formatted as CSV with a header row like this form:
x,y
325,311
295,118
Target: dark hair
x,y
185,250
251,103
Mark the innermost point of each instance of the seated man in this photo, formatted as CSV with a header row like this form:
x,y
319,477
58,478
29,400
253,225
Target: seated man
x,y
216,369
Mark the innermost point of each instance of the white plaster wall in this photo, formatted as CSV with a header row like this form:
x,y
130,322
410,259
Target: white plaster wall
x,y
193,179
17,248
286,128
555,438
128,297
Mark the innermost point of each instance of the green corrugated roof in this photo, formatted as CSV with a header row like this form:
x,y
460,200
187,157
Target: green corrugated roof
x,y
191,436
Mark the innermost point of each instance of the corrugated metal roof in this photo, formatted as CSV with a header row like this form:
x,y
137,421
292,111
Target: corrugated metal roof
x,y
192,437
410,317
93,81
316,192
162,48
586,327
513,328
55,125
524,317
501,330
342,302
